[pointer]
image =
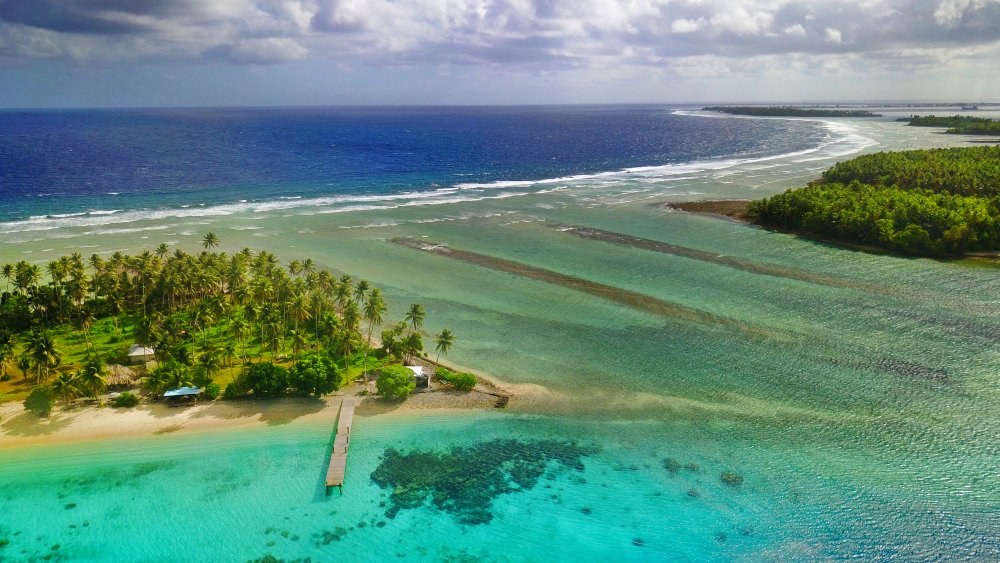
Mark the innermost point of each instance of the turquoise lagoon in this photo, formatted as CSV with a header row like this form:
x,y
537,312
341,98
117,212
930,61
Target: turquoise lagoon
x,y
855,394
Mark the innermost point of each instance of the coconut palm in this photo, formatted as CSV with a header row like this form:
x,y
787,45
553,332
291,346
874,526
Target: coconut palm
x,y
415,316
375,309
65,386
209,361
443,342
298,342
8,272
210,240
41,349
91,378
361,291
6,350
162,250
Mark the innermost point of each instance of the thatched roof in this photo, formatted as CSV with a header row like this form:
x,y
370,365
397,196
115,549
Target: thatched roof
x,y
120,375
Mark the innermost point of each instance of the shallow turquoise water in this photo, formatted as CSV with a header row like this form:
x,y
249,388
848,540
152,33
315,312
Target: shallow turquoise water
x,y
862,413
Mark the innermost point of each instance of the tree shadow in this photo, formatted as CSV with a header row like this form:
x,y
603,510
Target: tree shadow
x,y
168,429
27,424
273,412
374,406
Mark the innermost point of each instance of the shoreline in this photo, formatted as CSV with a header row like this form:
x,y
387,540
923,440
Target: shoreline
x,y
74,424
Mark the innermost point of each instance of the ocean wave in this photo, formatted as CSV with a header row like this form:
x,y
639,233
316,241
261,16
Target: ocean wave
x,y
842,139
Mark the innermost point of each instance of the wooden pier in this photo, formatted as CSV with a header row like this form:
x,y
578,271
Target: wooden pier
x,y
338,457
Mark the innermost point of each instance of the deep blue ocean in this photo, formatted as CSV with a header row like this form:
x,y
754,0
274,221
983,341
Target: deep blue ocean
x,y
78,161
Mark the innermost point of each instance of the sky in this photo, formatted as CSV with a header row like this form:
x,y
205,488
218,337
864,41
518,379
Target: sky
x,y
126,53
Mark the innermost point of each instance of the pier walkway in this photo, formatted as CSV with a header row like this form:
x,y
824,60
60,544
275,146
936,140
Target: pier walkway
x,y
338,457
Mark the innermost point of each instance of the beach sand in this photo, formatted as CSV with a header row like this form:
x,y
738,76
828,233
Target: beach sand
x,y
67,424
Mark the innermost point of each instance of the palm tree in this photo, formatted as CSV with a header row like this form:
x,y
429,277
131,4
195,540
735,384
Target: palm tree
x,y
8,272
6,350
298,342
415,316
210,240
65,386
209,361
299,310
229,352
375,309
361,291
443,343
155,381
41,349
162,250
91,377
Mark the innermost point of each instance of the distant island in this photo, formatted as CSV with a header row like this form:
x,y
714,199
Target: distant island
x,y
935,202
788,111
956,124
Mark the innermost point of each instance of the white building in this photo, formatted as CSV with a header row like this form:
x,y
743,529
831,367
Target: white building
x,y
140,354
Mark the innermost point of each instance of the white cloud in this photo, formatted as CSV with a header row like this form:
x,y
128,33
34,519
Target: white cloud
x,y
795,30
687,26
950,12
832,35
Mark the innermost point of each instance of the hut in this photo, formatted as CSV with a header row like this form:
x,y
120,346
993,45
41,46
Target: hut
x,y
121,376
182,396
418,374
138,354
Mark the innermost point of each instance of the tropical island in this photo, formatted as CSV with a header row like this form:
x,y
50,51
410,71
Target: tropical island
x,y
173,326
789,111
936,202
956,124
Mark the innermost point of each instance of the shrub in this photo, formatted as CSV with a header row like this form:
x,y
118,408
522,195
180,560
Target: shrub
x,y
266,379
40,401
395,383
462,381
212,391
234,391
315,374
125,400
201,377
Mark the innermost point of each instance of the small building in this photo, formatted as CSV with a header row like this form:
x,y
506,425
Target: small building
x,y
140,354
121,376
182,396
418,374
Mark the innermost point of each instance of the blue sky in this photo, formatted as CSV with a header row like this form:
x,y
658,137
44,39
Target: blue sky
x,y
66,53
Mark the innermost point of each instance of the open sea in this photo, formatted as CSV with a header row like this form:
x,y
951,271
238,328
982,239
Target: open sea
x,y
857,396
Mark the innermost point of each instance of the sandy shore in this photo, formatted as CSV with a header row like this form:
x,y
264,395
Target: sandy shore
x,y
19,428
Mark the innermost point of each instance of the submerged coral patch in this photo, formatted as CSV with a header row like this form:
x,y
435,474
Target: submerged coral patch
x,y
464,481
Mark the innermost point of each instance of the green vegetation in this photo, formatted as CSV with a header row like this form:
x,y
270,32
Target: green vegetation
x,y
789,111
925,202
956,124
395,383
463,381
239,321
40,401
125,400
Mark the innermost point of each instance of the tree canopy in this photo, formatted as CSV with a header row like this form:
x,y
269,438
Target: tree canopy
x,y
395,383
924,202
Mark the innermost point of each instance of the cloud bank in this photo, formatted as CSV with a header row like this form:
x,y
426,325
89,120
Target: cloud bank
x,y
685,39
542,33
